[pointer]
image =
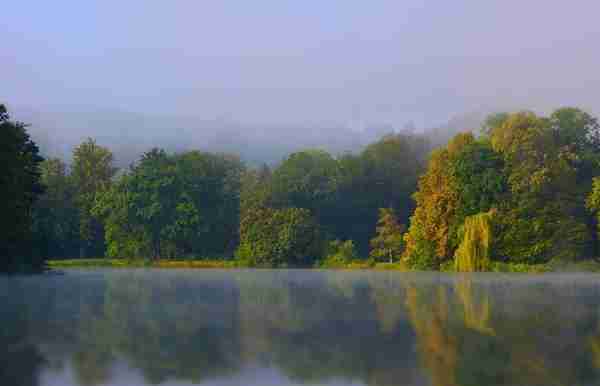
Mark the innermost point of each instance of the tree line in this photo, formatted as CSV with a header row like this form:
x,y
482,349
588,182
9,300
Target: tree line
x,y
199,204
523,189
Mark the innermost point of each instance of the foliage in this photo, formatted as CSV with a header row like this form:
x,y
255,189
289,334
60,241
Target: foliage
x,y
55,214
309,180
172,206
593,201
345,193
92,173
339,255
431,237
544,217
493,121
305,179
388,244
538,174
278,237
480,181
576,128
384,175
20,186
125,237
535,171
255,190
473,254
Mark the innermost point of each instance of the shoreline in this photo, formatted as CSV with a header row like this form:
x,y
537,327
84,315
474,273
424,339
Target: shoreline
x,y
552,267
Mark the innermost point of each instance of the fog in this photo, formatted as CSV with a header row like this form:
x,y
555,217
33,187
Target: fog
x,y
238,75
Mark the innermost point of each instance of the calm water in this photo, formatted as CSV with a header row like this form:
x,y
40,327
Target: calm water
x,y
142,327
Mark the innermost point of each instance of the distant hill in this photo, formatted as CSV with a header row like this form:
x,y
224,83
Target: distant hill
x,y
131,134
128,134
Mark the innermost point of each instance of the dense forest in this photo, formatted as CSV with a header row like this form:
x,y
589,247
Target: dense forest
x,y
522,190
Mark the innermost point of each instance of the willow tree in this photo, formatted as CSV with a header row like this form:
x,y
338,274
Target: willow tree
x,y
473,253
593,201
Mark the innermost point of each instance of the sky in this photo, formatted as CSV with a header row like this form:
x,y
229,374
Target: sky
x,y
349,62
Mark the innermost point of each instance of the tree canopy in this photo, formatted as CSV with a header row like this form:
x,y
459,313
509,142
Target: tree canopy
x,y
534,172
537,175
20,186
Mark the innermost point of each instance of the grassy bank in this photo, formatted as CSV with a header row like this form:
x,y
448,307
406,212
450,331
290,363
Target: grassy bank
x,y
205,263
141,263
585,266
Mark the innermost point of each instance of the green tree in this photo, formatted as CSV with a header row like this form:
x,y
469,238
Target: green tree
x,y
125,235
480,179
92,173
20,187
173,205
213,183
278,238
593,202
339,254
344,193
576,128
55,214
151,198
388,244
544,217
306,179
255,189
385,174
493,121
535,172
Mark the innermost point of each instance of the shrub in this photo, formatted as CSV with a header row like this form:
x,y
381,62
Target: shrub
x,y
340,254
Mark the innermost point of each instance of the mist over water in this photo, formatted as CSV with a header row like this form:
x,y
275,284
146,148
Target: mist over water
x,y
280,327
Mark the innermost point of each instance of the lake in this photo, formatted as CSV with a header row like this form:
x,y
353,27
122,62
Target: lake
x,y
298,327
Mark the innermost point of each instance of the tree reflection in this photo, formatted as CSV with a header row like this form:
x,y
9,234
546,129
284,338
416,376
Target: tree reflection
x,y
368,328
464,339
20,360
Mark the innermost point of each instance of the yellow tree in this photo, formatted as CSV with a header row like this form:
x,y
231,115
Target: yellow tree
x,y
428,241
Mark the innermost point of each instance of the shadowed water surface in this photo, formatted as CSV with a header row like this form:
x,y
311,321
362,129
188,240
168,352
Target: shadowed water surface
x,y
203,327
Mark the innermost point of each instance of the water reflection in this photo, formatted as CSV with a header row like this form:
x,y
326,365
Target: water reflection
x,y
298,327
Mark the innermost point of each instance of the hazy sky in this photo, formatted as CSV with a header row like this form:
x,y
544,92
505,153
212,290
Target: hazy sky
x,y
295,61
